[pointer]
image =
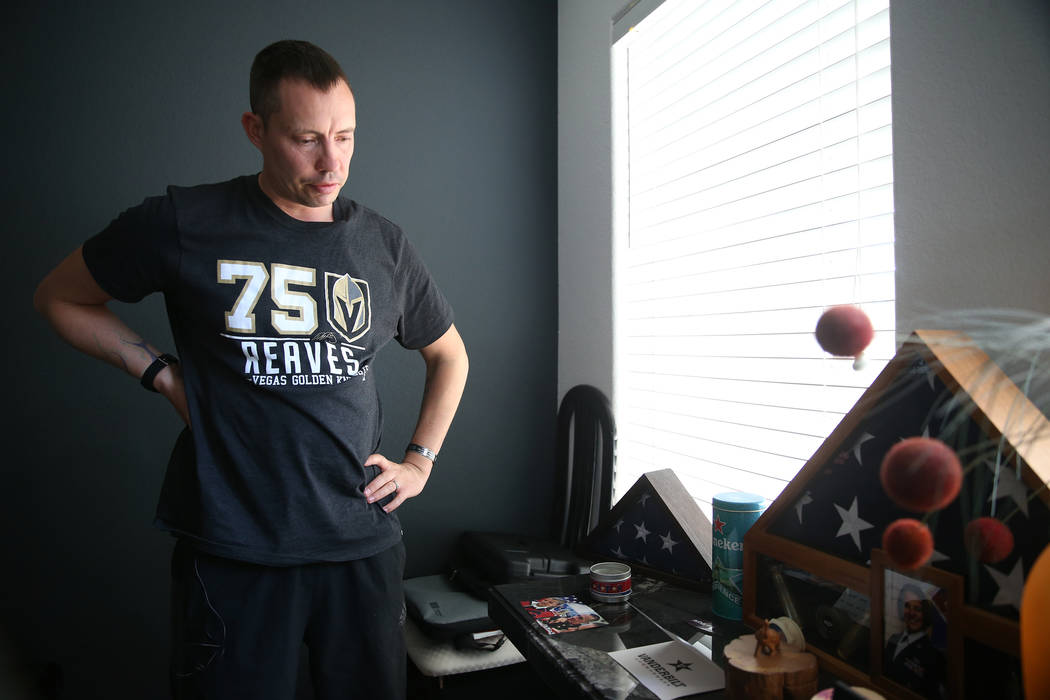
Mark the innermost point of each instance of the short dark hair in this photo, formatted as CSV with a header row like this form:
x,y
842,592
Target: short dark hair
x,y
293,59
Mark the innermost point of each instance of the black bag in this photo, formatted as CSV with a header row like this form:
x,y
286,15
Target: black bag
x,y
446,612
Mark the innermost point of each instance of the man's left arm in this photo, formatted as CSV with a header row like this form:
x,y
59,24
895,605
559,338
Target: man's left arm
x,y
446,361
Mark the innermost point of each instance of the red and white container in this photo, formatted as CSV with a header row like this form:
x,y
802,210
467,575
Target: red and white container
x,y
610,582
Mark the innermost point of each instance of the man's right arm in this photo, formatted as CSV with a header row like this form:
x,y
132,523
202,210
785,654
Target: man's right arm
x,y
75,306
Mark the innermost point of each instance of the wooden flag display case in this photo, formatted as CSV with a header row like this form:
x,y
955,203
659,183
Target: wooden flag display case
x,y
658,529
815,555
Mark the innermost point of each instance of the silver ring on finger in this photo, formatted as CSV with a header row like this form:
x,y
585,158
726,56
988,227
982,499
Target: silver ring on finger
x,y
396,487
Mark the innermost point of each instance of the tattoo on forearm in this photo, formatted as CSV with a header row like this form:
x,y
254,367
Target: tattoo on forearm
x,y
141,344
119,357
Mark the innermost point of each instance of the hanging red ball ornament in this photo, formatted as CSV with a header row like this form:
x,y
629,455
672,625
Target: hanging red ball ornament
x,y
908,543
988,539
921,474
844,331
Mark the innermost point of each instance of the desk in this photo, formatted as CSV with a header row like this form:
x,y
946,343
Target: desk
x,y
577,664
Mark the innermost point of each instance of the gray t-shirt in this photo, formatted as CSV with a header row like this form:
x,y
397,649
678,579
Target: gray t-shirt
x,y
277,323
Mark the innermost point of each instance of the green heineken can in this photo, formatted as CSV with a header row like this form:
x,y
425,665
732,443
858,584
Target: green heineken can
x,y
732,515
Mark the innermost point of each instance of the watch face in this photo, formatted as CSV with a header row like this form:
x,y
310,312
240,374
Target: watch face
x,y
429,454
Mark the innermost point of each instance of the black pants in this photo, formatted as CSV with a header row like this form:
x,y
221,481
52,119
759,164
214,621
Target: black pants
x,y
237,628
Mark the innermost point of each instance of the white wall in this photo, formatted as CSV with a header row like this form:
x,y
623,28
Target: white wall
x,y
971,131
971,101
584,194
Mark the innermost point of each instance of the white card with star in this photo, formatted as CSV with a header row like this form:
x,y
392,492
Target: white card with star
x,y
671,669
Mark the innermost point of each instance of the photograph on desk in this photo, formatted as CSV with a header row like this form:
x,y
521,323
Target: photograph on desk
x,y
558,614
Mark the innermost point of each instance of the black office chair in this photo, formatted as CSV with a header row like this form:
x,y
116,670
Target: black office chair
x,y
586,437
585,462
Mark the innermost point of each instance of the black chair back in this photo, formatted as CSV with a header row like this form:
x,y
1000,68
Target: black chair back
x,y
586,457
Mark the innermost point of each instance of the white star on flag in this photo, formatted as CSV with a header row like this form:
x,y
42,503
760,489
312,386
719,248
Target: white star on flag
x,y
801,503
642,533
852,523
668,542
930,374
856,447
938,556
1010,585
618,524
1009,486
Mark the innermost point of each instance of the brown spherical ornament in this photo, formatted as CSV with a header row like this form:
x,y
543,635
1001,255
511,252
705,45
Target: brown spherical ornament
x,y
988,539
921,474
908,543
844,331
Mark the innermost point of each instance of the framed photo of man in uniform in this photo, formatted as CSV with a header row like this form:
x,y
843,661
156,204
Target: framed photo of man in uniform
x,y
915,645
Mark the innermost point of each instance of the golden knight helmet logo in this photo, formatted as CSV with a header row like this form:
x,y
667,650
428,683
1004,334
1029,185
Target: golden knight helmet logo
x,y
348,305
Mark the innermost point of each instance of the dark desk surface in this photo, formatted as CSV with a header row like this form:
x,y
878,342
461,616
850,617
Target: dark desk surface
x,y
577,664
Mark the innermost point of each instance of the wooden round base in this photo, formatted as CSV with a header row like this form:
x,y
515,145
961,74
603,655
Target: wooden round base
x,y
790,675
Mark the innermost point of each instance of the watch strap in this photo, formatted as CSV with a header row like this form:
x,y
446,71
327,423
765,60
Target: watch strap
x,y
154,369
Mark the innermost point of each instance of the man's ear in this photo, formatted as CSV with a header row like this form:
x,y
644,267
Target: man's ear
x,y
253,127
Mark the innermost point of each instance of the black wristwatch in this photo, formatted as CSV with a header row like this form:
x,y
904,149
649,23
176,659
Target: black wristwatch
x,y
154,369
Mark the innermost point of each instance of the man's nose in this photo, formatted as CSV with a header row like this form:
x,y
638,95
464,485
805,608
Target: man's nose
x,y
328,158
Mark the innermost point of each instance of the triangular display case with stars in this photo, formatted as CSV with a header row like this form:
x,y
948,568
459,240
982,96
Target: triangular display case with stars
x,y
831,516
658,529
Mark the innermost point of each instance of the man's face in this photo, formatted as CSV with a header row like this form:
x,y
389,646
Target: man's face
x,y
912,613
306,148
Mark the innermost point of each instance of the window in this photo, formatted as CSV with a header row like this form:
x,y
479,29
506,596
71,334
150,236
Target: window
x,y
753,190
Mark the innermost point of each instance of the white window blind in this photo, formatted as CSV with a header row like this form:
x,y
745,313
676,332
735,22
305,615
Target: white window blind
x,y
753,190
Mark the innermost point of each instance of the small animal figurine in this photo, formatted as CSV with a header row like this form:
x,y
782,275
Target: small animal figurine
x,y
767,640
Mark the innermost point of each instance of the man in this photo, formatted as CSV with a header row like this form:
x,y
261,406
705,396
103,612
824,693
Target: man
x,y
279,294
911,659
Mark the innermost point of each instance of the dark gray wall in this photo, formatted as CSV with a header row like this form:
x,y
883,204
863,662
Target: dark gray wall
x,y
108,104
